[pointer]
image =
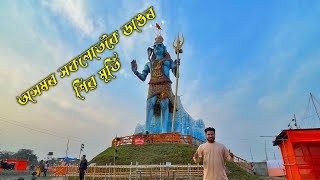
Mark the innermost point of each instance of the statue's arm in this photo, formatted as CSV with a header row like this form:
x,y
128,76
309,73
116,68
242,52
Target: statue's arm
x,y
142,76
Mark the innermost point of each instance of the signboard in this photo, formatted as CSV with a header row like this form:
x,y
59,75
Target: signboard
x,y
139,141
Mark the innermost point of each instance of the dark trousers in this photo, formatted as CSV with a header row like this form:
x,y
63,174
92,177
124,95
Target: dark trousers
x,y
81,174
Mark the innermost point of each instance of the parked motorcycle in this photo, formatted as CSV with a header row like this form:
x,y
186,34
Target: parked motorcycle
x,y
6,165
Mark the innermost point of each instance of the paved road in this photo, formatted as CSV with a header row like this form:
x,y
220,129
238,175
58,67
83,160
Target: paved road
x,y
14,175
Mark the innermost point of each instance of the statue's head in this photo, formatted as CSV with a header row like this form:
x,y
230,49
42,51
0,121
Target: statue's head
x,y
159,48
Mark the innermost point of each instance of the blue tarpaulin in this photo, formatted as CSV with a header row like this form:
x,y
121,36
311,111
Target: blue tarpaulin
x,y
68,159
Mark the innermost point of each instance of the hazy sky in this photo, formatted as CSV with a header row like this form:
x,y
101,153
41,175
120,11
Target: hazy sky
x,y
246,69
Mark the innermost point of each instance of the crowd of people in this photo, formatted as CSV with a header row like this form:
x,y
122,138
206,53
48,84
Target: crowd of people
x,y
42,168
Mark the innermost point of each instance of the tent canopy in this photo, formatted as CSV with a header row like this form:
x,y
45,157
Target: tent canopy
x,y
68,158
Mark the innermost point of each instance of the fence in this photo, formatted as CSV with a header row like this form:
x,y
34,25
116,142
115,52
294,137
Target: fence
x,y
243,163
133,172
172,137
111,172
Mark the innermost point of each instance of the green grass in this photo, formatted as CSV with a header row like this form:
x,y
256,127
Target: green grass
x,y
177,154
148,154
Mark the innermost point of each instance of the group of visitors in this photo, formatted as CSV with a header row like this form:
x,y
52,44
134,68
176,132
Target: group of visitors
x,y
42,167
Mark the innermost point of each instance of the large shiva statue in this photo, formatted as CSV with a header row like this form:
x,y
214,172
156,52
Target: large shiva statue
x,y
160,101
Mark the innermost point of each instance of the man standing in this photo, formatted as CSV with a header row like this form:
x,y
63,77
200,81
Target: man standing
x,y
214,155
46,167
83,167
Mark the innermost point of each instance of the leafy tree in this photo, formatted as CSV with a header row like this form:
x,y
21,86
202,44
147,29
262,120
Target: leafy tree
x,y
22,154
6,155
26,154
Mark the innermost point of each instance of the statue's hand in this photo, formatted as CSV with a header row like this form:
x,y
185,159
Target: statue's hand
x,y
134,66
176,62
180,51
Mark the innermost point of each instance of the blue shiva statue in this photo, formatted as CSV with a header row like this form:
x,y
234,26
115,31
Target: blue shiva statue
x,y
160,97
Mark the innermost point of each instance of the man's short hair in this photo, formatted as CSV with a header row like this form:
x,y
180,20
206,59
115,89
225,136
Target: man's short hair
x,y
209,129
84,155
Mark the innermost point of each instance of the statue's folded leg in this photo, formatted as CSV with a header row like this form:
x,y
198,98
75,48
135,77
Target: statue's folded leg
x,y
150,109
164,103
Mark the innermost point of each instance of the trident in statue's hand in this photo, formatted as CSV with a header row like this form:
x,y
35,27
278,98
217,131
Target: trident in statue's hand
x,y
178,50
178,45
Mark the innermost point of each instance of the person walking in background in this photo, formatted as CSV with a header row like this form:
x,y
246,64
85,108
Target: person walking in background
x,y
252,169
83,167
40,168
45,169
214,155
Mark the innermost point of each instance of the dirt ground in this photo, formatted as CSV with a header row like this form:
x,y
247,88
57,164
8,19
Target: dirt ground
x,y
273,178
15,175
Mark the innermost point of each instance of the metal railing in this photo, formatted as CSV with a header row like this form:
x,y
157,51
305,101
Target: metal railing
x,y
111,172
164,138
161,171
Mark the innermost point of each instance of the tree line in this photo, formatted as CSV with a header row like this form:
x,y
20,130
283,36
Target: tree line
x,y
21,154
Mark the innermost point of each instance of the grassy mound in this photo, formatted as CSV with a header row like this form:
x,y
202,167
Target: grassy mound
x,y
177,154
148,154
